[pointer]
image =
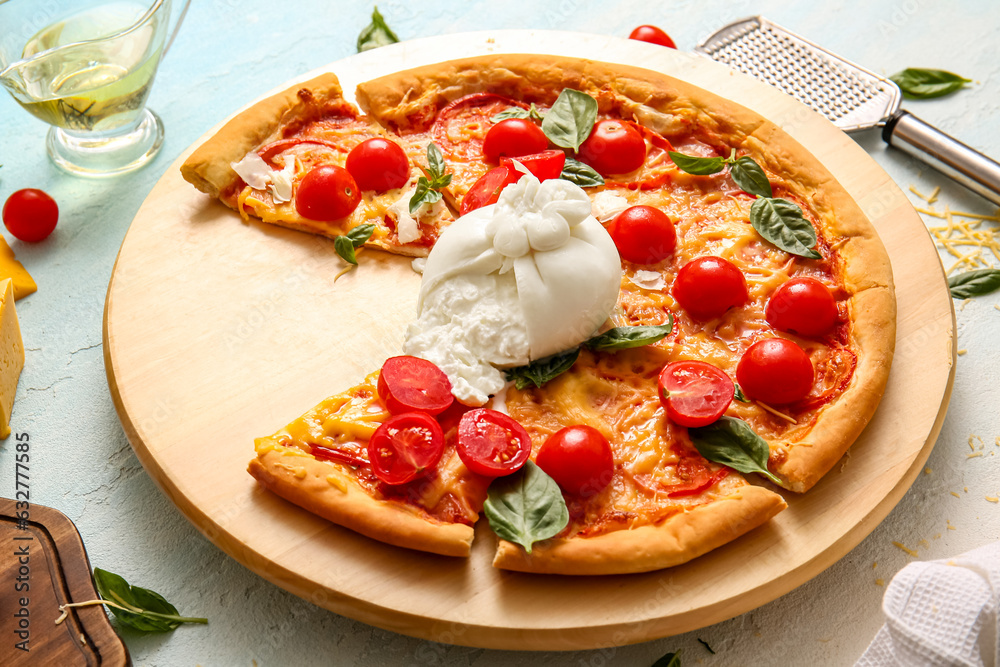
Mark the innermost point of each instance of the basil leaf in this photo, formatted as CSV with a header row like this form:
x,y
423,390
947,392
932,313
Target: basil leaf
x,y
570,120
147,611
922,84
541,371
699,166
345,249
780,222
360,234
376,34
526,507
580,173
518,112
750,177
435,160
974,283
669,660
738,394
424,194
623,338
733,443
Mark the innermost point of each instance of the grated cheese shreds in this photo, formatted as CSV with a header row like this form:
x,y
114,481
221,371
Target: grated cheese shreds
x,y
964,236
934,195
880,582
993,499
776,413
973,455
900,546
950,527
961,352
955,494
919,194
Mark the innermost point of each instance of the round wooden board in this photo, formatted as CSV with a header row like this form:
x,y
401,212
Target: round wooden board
x,y
217,332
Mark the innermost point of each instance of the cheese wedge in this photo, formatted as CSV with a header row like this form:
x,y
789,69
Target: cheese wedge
x,y
11,354
11,268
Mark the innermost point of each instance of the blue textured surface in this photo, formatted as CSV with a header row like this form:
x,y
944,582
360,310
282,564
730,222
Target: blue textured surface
x,y
230,52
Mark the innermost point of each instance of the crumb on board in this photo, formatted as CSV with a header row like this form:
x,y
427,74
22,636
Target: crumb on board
x,y
874,565
966,489
961,352
902,547
927,471
937,537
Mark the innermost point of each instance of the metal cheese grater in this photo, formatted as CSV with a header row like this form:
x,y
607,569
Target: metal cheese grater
x,y
852,97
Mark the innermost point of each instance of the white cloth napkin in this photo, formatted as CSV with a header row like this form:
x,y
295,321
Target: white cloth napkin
x,y
941,613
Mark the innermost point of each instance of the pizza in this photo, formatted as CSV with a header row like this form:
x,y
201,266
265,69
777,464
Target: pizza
x,y
770,290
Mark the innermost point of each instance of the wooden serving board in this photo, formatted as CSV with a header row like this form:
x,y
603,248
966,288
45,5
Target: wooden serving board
x,y
217,332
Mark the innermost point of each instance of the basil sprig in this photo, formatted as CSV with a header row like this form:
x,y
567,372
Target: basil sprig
x,y
923,84
745,171
738,394
669,660
623,338
532,112
376,34
733,443
526,507
580,173
569,122
974,283
346,244
781,222
138,608
541,371
429,189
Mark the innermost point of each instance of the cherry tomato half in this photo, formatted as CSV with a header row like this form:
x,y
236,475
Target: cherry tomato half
x,y
30,215
694,393
804,306
487,189
327,193
378,164
543,166
613,147
405,446
775,371
412,384
643,234
579,459
491,443
514,137
653,35
708,286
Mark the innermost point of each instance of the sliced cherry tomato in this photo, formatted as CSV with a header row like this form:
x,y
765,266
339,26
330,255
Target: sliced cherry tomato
x,y
30,215
643,234
327,193
491,443
412,384
543,166
405,446
708,286
378,164
461,126
613,147
487,189
694,393
804,306
653,35
579,459
514,137
775,371
268,152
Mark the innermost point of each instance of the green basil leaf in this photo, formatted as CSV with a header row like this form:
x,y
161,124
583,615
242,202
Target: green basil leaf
x,y
510,112
974,283
376,34
922,84
738,394
699,166
570,120
526,507
345,248
623,338
424,194
669,660
360,234
541,371
780,222
750,177
733,443
435,160
580,173
148,611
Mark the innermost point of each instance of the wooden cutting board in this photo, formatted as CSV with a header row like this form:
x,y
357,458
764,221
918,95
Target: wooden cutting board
x,y
217,332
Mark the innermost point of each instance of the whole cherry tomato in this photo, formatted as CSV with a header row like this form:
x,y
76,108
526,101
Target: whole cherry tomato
x,y
775,371
30,215
412,384
579,459
804,306
695,393
487,189
514,137
708,286
327,193
491,443
653,35
613,147
543,166
378,164
405,446
643,234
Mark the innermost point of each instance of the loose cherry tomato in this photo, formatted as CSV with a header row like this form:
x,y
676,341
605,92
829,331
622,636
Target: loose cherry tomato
x,y
487,189
643,234
327,193
804,306
378,164
775,371
543,166
405,446
694,393
491,443
613,147
514,137
30,215
579,459
653,35
708,286
412,384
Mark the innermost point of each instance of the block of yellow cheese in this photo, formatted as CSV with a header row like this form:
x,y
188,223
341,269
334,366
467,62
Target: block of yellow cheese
x,y
11,354
11,268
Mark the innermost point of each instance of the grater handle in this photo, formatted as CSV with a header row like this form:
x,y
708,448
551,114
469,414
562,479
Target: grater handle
x,y
948,155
